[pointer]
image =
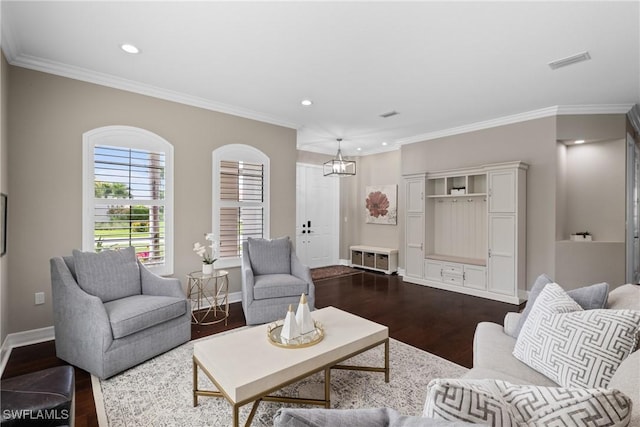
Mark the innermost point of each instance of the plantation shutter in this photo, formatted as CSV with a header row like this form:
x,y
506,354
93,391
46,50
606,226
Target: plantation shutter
x,y
241,207
129,204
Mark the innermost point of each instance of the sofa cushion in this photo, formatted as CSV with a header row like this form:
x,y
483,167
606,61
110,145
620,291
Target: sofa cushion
x,y
110,274
625,297
136,313
499,403
574,347
627,380
588,297
270,256
277,286
492,349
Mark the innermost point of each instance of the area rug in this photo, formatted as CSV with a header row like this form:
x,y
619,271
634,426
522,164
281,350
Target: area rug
x,y
332,272
159,392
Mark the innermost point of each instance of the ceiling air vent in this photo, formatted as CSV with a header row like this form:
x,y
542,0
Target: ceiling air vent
x,y
389,114
569,60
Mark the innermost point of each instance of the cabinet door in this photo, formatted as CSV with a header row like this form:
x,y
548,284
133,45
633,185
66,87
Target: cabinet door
x,y
414,236
475,277
502,254
502,191
415,195
433,270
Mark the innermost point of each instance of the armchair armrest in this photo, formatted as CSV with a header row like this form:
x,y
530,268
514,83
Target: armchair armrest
x,y
303,272
246,274
81,321
153,284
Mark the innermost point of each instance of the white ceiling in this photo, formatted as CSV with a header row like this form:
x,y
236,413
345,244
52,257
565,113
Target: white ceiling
x,y
444,66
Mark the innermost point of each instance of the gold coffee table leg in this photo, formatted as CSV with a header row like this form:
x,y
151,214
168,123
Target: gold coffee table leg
x,y
386,361
195,383
327,388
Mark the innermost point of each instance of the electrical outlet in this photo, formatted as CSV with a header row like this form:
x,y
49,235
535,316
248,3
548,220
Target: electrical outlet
x,y
39,298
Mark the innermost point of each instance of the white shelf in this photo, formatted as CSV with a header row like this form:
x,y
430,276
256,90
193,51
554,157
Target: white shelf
x,y
374,258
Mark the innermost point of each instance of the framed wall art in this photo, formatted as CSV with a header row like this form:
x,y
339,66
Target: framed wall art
x,y
381,204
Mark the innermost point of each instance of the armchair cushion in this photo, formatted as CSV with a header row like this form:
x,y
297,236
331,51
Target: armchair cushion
x,y
278,286
135,313
270,256
109,275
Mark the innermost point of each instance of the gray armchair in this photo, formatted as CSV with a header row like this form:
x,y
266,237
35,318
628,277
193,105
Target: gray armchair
x,y
272,278
111,313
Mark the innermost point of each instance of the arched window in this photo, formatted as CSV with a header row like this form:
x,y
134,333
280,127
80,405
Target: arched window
x,y
240,199
128,194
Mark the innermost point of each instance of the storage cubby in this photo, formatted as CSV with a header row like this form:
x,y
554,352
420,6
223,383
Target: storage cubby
x,y
477,184
374,258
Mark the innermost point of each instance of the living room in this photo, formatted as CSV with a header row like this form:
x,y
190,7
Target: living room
x,y
45,114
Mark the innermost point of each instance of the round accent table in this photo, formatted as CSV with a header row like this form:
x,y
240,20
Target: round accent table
x,y
209,294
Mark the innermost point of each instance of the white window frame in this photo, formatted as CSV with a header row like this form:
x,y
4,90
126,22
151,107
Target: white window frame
x,y
244,153
132,138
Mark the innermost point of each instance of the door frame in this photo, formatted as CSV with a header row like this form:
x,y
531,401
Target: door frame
x,y
632,211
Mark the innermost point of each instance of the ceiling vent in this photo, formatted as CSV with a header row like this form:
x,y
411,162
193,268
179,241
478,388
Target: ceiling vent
x,y
389,114
569,60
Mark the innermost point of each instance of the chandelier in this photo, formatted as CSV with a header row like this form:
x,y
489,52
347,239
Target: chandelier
x,y
339,166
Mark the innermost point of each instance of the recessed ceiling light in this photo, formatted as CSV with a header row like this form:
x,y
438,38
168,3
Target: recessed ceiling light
x,y
359,148
385,144
306,102
579,141
129,48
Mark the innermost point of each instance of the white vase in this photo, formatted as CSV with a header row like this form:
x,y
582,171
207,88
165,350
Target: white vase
x,y
207,269
290,327
303,316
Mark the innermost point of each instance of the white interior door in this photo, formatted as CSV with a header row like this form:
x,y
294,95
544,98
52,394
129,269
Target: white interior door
x,y
317,216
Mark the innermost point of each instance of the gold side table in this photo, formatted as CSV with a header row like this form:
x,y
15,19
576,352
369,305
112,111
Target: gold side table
x,y
209,294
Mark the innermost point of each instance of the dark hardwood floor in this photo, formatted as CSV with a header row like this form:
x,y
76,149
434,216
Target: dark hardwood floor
x,y
440,322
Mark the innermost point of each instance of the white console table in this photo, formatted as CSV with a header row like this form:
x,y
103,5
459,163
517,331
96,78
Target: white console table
x,y
384,260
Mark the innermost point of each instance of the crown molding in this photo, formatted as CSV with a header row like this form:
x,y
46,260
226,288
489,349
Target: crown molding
x,y
634,117
103,79
557,110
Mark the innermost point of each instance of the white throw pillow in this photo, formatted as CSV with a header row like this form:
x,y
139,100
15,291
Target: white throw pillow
x,y
573,347
499,403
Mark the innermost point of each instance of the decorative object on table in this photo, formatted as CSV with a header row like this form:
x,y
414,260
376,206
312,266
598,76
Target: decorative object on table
x,y
290,329
274,335
303,317
583,236
381,204
339,166
207,259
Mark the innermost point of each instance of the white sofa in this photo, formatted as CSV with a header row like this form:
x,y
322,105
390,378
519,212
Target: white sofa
x,y
493,359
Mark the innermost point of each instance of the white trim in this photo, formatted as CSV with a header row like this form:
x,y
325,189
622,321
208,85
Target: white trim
x,y
20,339
401,272
344,262
136,138
521,117
103,79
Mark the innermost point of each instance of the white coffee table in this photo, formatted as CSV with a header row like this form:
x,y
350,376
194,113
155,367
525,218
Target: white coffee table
x,y
245,367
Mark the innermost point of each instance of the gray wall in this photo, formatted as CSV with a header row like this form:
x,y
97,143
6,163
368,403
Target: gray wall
x,y
4,188
533,142
48,115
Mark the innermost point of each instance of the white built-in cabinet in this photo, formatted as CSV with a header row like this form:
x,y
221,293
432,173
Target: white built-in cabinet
x,y
465,230
414,188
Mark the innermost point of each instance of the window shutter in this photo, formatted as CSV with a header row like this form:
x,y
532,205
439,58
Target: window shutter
x,y
241,205
129,204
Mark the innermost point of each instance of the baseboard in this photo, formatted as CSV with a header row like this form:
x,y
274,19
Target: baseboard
x,y
344,262
401,272
20,339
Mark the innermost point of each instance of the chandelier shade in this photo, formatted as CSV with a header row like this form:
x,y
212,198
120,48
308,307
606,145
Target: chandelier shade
x,y
339,166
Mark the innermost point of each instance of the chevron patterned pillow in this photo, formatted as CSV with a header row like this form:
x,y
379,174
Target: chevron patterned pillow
x,y
575,348
499,403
